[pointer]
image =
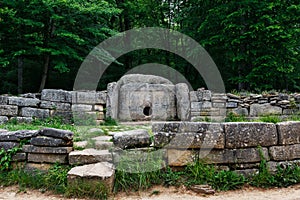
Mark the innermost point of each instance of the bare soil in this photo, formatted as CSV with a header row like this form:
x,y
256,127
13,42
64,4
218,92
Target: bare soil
x,y
161,193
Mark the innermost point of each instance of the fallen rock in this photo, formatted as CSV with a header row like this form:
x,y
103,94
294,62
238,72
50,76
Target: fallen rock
x,y
131,139
203,189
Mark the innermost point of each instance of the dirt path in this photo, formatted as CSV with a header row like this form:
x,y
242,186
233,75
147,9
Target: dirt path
x,y
291,193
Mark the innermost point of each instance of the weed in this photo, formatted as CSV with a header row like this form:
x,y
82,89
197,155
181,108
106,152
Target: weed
x,y
108,121
271,119
233,117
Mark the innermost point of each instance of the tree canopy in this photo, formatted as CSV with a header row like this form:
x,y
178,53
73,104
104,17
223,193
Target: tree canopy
x,y
255,44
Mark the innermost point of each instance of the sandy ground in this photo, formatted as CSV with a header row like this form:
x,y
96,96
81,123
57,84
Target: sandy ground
x,y
291,193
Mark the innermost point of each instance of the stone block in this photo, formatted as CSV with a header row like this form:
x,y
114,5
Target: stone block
x,y
194,96
18,135
288,133
3,100
81,108
57,133
3,119
98,108
179,158
183,101
219,104
47,158
32,167
56,95
241,111
192,135
233,156
50,142
88,97
131,139
247,172
204,95
264,109
22,119
250,134
231,105
35,112
8,145
89,156
18,157
199,106
20,101
8,110
281,153
46,150
100,172
55,105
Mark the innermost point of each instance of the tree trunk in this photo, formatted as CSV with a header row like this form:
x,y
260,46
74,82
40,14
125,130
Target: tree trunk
x,y
20,74
45,72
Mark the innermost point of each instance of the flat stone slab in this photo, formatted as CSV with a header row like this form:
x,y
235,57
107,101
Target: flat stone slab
x,y
178,158
56,95
193,135
49,141
131,139
250,134
57,133
17,135
8,145
8,110
88,156
20,101
47,158
102,171
288,133
282,153
47,150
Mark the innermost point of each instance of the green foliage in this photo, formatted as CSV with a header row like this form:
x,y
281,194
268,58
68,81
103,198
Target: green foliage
x,y
7,155
271,118
82,188
284,176
201,173
108,121
233,117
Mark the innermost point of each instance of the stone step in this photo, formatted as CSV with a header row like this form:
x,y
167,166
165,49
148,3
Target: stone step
x,y
99,172
89,156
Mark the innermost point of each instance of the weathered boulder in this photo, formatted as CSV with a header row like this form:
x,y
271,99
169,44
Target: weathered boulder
x,y
183,101
288,133
35,112
264,109
56,95
88,156
131,139
102,171
8,110
250,134
57,133
50,142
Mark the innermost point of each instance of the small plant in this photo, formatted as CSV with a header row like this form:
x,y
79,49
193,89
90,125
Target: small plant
x,y
233,117
271,119
108,121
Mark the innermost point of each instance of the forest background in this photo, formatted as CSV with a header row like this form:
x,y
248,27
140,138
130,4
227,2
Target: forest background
x,y
254,43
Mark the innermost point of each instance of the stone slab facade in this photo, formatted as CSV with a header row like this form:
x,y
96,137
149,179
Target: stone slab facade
x,y
81,107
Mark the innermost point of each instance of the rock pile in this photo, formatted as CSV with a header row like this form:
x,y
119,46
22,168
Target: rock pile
x,y
42,147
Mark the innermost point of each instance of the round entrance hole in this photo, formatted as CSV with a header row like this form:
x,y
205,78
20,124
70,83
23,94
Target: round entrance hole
x,y
147,111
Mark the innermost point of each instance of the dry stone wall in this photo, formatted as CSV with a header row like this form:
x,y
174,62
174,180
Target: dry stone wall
x,y
80,105
42,147
205,103
236,146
